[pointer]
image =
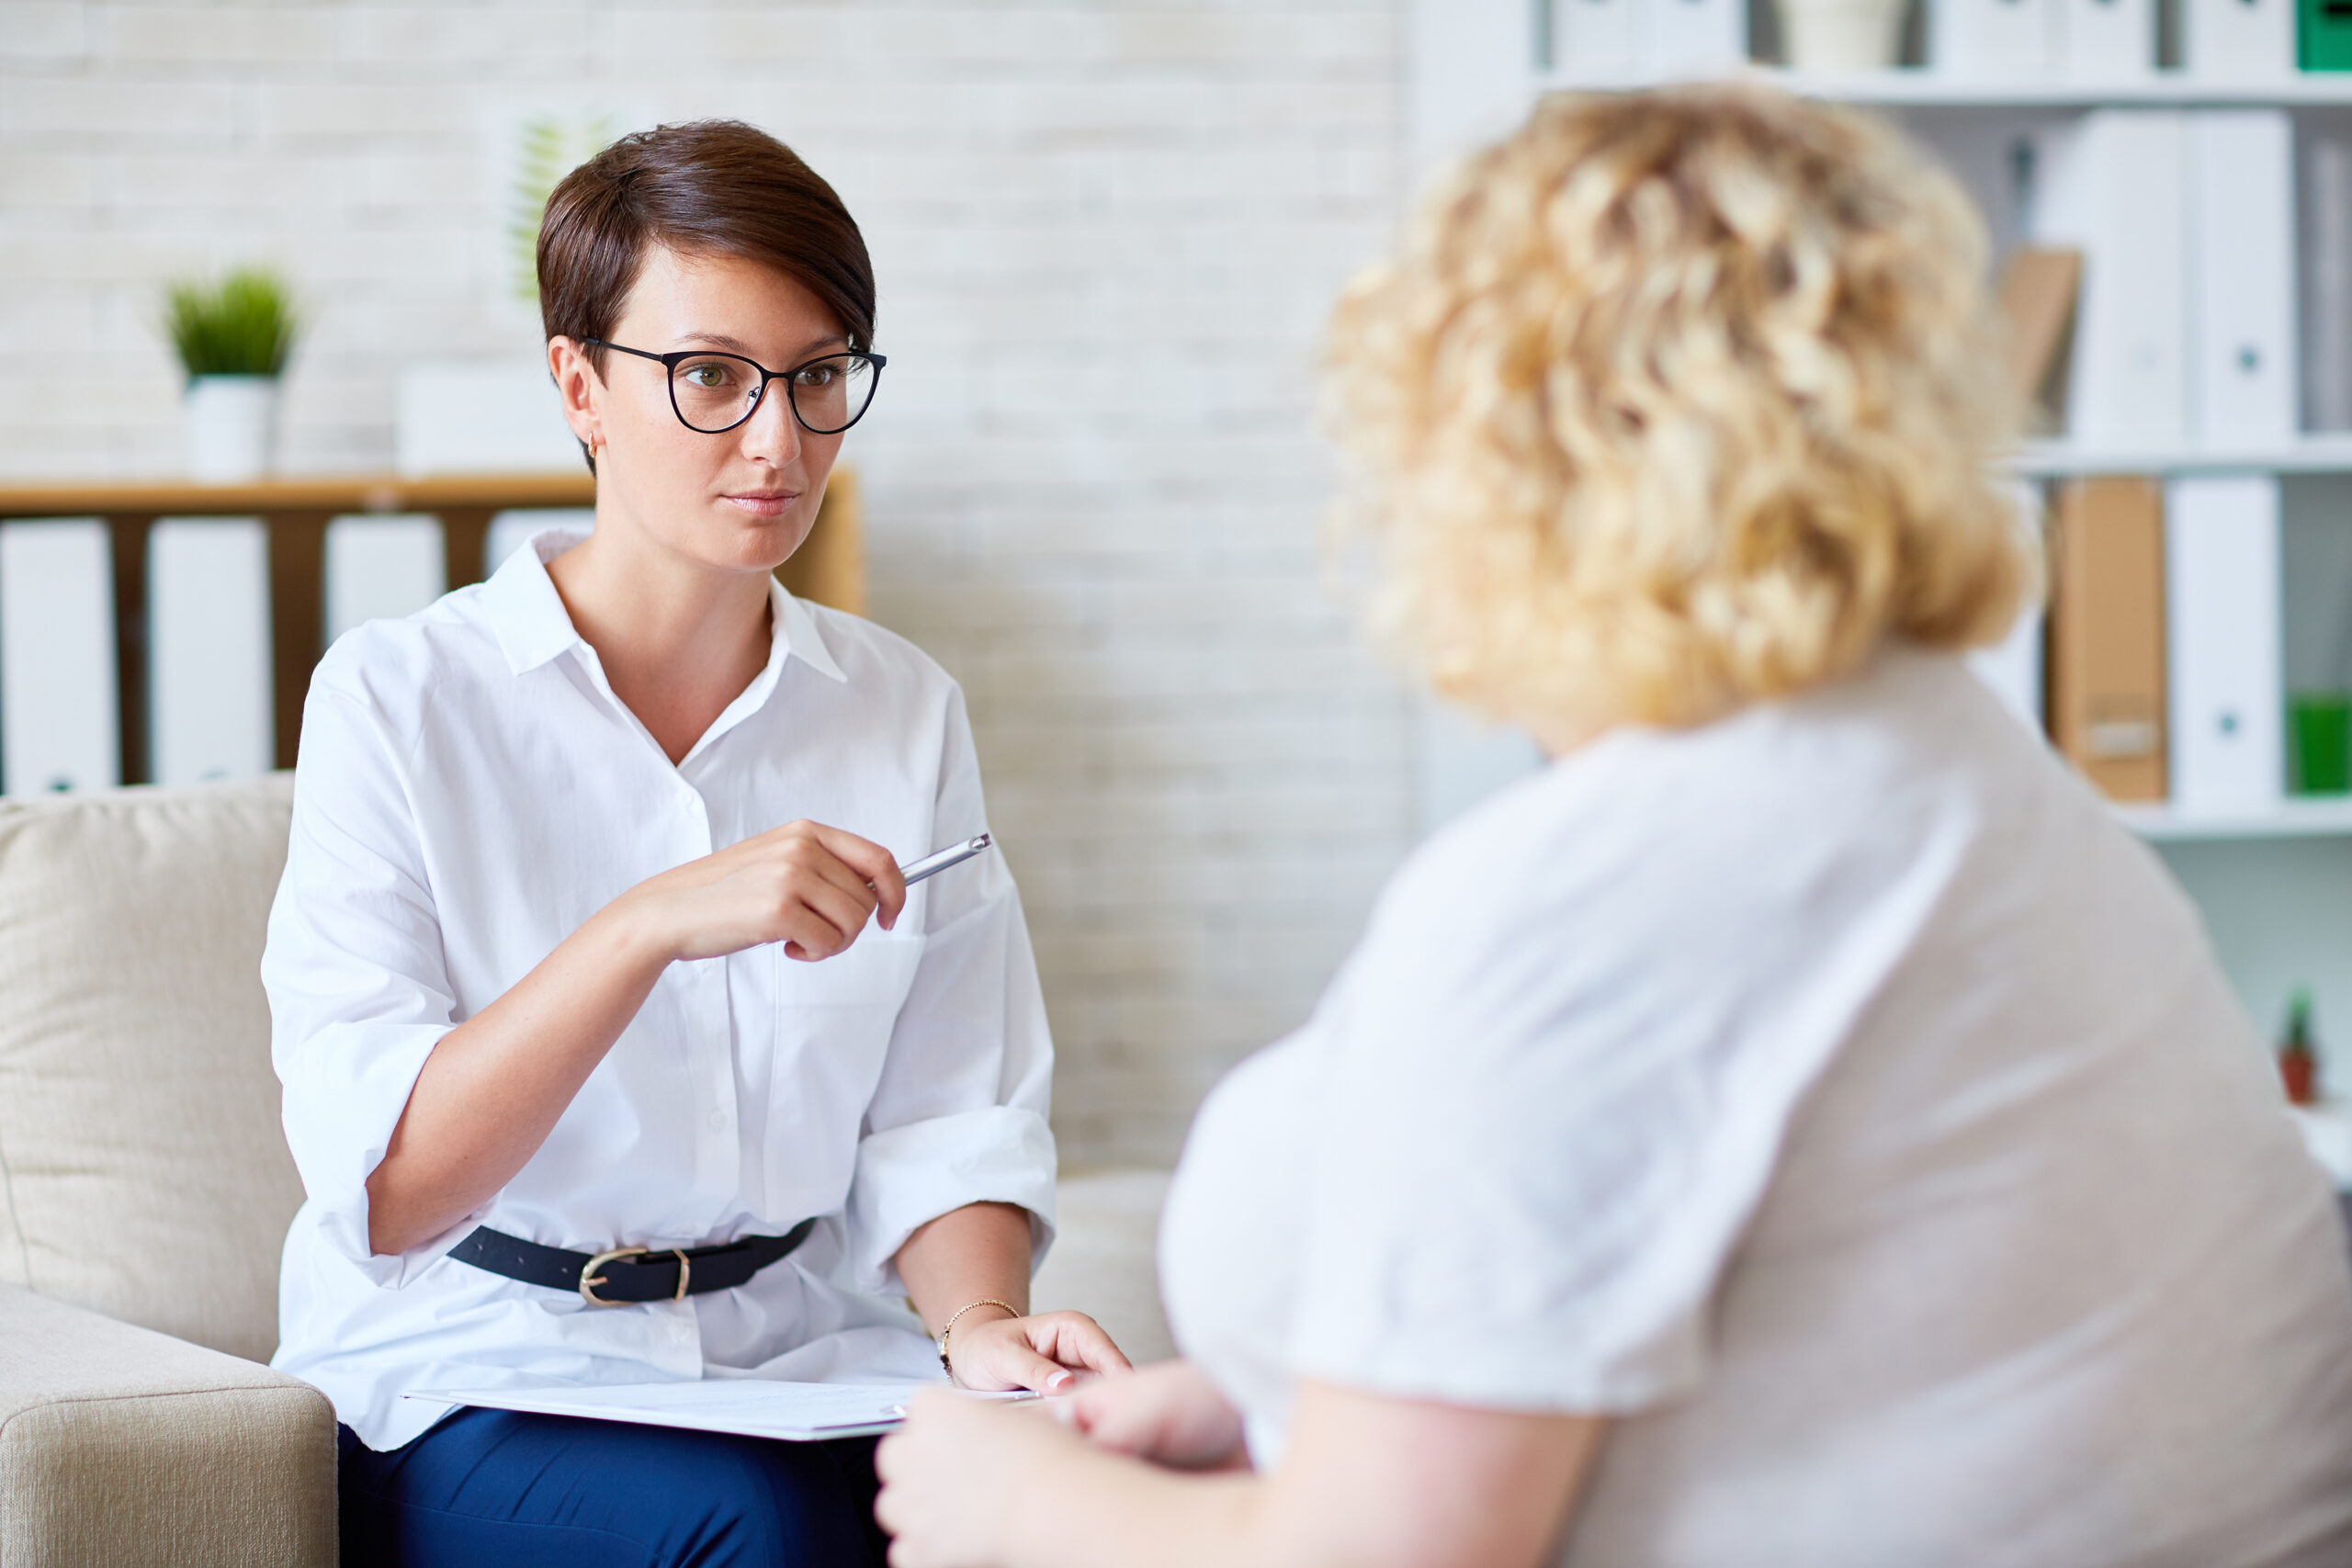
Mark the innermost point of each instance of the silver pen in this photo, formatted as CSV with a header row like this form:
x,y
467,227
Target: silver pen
x,y
953,854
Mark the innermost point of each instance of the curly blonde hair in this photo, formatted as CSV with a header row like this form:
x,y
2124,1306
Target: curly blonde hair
x,y
1674,401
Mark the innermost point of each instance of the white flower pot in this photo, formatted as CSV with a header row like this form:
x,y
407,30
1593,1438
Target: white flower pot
x,y
1841,35
231,427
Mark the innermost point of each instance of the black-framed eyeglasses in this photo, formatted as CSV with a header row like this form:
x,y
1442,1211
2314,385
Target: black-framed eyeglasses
x,y
714,392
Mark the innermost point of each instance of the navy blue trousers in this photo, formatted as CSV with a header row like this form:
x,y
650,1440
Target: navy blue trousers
x,y
497,1487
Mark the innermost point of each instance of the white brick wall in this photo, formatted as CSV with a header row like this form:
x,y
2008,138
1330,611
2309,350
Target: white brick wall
x,y
1106,234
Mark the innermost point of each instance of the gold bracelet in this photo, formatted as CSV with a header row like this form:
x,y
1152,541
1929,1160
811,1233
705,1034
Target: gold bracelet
x,y
950,1327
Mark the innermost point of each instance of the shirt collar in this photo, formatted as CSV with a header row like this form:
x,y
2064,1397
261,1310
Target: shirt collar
x,y
797,633
532,627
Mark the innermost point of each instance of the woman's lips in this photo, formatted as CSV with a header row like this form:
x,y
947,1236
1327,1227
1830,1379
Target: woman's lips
x,y
762,504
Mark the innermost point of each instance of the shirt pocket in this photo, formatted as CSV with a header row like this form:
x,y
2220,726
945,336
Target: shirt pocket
x,y
834,1019
874,971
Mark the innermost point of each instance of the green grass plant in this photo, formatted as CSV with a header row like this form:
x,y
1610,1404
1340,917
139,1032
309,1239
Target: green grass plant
x,y
549,147
242,325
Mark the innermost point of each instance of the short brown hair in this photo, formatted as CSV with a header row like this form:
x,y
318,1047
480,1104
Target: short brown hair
x,y
711,184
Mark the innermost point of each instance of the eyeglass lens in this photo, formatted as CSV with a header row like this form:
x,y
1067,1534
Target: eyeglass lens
x,y
715,393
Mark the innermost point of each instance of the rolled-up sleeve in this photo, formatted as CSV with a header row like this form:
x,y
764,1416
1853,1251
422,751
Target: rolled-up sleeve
x,y
959,1114
358,991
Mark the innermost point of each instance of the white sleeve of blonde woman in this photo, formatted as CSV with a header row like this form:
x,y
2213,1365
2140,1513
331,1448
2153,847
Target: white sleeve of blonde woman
x,y
1550,1091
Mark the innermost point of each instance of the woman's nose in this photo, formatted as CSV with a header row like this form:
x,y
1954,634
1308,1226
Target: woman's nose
x,y
772,433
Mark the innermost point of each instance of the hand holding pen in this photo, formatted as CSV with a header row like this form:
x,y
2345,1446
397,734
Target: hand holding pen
x,y
805,885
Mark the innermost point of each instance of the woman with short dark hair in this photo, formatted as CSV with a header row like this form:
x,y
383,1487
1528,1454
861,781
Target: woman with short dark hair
x,y
615,1048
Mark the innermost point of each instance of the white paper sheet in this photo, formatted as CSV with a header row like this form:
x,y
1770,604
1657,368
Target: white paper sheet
x,y
754,1407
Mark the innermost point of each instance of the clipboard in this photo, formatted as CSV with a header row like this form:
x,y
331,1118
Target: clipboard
x,y
751,1407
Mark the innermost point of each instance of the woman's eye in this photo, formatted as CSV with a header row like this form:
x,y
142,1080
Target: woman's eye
x,y
705,376
819,374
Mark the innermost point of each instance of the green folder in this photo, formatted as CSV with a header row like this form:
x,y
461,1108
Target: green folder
x,y
2323,35
2319,743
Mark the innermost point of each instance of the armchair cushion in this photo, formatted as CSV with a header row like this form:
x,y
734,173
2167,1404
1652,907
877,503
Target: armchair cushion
x,y
1104,1261
119,1446
143,1170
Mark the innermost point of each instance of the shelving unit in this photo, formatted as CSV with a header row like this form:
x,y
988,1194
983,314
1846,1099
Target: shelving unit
x,y
2305,818
1916,87
2273,886
2312,454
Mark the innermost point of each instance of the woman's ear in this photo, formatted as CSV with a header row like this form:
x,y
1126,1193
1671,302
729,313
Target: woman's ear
x,y
580,388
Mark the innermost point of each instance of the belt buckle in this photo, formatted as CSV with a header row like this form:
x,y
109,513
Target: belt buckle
x,y
590,1279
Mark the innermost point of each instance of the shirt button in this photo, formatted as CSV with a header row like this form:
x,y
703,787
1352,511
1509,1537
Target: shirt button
x,y
718,1120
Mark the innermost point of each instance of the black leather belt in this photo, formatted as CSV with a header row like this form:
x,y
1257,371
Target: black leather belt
x,y
626,1275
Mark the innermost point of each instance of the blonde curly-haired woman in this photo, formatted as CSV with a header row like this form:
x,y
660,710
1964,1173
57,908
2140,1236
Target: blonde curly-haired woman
x,y
1798,1127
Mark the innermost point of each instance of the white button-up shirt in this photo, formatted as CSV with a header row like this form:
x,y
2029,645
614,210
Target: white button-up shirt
x,y
469,792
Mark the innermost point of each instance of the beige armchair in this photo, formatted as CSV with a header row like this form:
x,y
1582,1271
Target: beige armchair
x,y
143,1182
145,1190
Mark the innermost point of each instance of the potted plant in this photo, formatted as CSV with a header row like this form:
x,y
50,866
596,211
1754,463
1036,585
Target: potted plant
x,y
232,338
2298,1062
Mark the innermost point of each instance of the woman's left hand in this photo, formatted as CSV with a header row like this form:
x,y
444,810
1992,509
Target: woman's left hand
x,y
1047,1351
956,1475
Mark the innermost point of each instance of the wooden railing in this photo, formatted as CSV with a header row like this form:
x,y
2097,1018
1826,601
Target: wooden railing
x,y
829,568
